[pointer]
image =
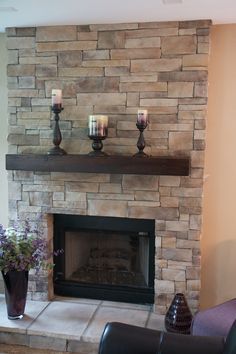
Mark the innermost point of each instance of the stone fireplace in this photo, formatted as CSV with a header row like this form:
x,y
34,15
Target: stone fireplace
x,y
114,69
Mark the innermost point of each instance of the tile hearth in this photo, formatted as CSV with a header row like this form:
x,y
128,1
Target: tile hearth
x,y
71,325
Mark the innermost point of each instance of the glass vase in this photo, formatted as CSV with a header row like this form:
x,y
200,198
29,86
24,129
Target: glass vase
x,y
16,285
178,318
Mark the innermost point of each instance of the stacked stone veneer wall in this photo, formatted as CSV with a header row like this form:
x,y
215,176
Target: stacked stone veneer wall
x,y
115,70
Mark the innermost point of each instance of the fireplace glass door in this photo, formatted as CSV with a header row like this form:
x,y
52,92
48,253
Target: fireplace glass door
x,y
105,258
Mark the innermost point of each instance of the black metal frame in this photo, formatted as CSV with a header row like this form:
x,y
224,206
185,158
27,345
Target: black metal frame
x,y
63,223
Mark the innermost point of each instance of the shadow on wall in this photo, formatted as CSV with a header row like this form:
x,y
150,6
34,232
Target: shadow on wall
x,y
223,253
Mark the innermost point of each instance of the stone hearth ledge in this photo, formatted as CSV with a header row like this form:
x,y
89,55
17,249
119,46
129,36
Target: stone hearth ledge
x,y
71,325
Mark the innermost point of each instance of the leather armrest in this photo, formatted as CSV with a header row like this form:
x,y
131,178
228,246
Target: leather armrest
x,y
173,343
120,338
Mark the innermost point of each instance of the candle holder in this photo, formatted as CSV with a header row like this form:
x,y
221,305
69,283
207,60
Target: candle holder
x,y
97,145
56,150
141,141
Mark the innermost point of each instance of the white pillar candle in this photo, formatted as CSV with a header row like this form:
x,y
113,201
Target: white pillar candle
x,y
142,117
98,125
57,98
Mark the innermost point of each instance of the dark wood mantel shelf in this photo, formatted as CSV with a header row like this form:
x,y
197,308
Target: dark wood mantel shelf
x,y
173,166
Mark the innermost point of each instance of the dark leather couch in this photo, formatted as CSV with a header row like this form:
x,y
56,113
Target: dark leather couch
x,y
120,338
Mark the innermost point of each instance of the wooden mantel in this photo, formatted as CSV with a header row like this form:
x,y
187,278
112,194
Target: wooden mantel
x,y
174,166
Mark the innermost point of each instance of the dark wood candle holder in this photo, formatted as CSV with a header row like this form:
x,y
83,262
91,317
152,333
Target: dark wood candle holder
x,y
97,145
141,141
56,150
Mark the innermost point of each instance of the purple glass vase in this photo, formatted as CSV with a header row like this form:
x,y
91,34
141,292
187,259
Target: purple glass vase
x,y
16,285
178,318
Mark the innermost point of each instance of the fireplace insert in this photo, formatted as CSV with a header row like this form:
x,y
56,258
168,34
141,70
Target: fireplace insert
x,y
105,258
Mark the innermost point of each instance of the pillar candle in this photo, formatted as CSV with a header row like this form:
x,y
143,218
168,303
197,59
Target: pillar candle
x,y
56,99
142,117
98,125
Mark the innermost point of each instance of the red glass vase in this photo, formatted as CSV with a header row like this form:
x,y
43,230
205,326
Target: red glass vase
x,y
16,285
178,318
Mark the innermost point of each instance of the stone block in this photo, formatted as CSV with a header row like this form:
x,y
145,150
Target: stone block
x,y
14,190
180,141
193,285
65,46
23,93
193,273
108,208
20,43
21,70
14,338
86,99
25,31
27,82
132,100
75,196
69,59
187,244
153,32
164,287
177,225
194,60
77,72
81,347
56,33
153,213
44,342
13,56
190,205
116,71
195,222
140,182
170,181
172,274
180,89
136,53
87,36
98,84
46,70
179,45
40,199
201,89
114,26
187,192
97,55
137,87
110,188
197,159
146,196
111,39
177,254
195,23
20,139
168,242
200,75
145,42
153,65
169,202
82,187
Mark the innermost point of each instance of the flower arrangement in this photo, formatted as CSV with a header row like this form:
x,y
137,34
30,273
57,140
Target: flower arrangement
x,y
22,248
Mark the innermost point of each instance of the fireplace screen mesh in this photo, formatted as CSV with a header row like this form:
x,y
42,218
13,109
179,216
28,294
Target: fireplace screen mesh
x,y
107,257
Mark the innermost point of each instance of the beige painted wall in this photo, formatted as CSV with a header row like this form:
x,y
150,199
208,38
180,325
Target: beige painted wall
x,y
3,131
219,223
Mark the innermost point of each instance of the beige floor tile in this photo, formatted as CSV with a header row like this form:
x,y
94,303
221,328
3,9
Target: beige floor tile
x,y
63,320
32,310
156,321
112,314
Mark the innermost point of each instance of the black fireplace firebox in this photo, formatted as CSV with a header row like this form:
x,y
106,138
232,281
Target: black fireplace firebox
x,y
105,258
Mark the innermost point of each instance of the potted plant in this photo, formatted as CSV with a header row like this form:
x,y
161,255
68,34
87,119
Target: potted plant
x,y
21,249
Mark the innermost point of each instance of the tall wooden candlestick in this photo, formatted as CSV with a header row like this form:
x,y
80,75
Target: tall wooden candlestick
x,y
56,150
